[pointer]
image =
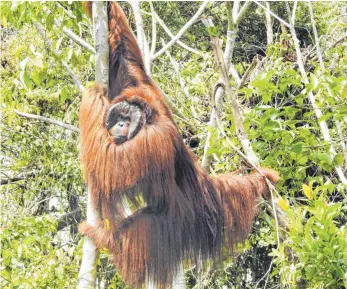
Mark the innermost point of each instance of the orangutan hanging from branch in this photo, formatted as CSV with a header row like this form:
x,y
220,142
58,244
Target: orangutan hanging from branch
x,y
131,148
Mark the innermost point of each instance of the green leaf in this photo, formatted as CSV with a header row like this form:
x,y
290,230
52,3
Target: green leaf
x,y
5,274
36,77
212,31
4,21
259,83
266,97
297,148
247,91
283,204
308,191
23,63
344,91
63,95
313,81
338,160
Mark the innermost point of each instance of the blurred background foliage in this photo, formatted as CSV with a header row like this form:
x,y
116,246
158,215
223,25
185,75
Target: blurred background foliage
x,y
42,192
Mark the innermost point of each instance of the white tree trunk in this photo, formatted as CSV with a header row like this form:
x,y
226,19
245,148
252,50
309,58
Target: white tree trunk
x,y
87,274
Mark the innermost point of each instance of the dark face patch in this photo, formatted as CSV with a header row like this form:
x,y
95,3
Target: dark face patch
x,y
123,113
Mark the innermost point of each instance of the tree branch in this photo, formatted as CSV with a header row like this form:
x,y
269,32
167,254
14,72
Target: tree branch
x,y
16,178
68,12
64,64
269,31
273,14
181,32
177,70
70,218
218,93
242,12
75,37
154,29
166,29
48,120
240,129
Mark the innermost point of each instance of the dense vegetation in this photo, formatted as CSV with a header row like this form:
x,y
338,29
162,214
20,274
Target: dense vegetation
x,y
43,194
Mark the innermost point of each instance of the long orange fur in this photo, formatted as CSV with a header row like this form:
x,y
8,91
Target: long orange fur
x,y
181,212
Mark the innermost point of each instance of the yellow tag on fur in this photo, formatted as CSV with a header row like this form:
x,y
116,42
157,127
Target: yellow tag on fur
x,y
107,225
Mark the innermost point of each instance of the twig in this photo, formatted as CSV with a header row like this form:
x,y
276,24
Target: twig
x,y
242,12
218,93
166,29
154,30
342,141
344,37
181,32
16,178
273,14
177,70
240,131
267,273
75,37
174,108
247,73
70,218
48,120
64,64
68,12
315,33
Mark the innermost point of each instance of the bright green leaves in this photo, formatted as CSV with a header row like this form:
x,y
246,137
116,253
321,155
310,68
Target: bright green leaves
x,y
315,242
344,91
29,243
23,75
213,31
308,191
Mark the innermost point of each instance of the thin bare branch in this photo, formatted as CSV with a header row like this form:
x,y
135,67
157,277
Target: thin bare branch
x,y
166,29
68,12
75,37
182,31
16,178
247,73
218,93
48,120
273,14
342,141
242,12
344,37
234,73
154,29
180,78
65,65
315,33
240,129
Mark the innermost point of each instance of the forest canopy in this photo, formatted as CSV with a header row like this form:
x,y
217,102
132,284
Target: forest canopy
x,y
286,65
